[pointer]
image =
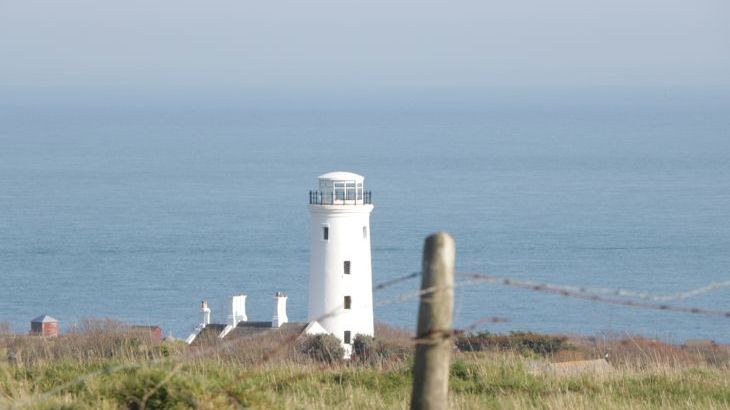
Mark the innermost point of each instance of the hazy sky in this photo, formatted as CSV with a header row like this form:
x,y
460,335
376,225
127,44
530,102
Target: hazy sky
x,y
360,45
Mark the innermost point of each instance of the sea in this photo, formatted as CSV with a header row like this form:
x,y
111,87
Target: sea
x,y
138,211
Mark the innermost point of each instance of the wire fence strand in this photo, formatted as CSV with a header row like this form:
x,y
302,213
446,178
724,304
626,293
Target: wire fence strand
x,y
586,294
627,293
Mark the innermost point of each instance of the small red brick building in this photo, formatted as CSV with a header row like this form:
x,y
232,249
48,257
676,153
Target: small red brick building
x,y
155,331
44,325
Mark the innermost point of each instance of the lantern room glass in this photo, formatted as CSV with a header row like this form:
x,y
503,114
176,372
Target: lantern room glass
x,y
341,192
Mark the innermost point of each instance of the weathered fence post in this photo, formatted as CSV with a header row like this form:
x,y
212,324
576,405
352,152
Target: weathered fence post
x,y
433,344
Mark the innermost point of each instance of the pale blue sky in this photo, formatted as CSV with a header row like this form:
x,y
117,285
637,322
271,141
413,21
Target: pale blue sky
x,y
370,45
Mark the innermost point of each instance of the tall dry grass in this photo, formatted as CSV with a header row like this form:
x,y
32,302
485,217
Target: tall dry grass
x,y
130,370
88,341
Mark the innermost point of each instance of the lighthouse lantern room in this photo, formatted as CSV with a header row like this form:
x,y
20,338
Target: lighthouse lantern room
x,y
340,273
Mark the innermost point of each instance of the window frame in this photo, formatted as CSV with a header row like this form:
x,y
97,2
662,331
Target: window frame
x,y
340,189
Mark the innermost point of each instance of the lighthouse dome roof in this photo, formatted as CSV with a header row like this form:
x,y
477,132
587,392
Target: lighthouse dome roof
x,y
342,176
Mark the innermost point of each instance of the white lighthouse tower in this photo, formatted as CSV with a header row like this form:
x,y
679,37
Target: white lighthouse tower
x,y
340,273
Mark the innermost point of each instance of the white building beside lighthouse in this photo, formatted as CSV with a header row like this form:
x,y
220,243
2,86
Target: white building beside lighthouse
x,y
340,273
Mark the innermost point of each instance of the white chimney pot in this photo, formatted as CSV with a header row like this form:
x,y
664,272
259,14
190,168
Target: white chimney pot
x,y
279,310
238,310
206,312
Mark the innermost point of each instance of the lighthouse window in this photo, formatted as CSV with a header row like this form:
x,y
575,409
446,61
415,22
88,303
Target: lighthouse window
x,y
348,337
359,192
364,232
326,233
347,267
350,191
348,302
340,191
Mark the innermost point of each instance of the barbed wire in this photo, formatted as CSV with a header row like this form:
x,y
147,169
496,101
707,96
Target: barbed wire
x,y
436,335
391,282
473,325
618,292
407,296
644,295
585,294
582,292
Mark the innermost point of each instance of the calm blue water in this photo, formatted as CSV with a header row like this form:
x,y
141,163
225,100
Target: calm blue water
x,y
138,214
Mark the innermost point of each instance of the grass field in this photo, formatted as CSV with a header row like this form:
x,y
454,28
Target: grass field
x,y
105,366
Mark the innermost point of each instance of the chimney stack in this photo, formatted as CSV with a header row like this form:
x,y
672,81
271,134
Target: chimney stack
x,y
238,310
206,312
279,310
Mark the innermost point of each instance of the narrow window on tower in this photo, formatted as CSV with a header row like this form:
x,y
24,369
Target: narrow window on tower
x,y
326,233
364,232
348,335
348,302
347,267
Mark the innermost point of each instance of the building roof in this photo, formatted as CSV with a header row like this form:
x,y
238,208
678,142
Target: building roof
x,y
246,329
44,319
209,333
342,176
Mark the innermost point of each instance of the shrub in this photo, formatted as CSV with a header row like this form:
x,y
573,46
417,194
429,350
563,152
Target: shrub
x,y
323,348
367,349
523,342
364,346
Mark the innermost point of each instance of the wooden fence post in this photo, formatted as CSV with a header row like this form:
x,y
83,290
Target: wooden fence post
x,y
433,338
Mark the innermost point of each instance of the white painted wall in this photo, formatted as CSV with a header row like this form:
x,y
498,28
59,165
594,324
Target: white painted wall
x,y
238,309
328,284
279,317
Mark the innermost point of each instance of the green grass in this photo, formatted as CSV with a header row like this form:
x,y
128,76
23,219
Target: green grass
x,y
78,372
477,381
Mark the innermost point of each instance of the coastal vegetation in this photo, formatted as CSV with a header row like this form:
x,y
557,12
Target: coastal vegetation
x,y
104,364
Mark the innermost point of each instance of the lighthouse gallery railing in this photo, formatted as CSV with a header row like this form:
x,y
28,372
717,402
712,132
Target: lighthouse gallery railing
x,y
329,198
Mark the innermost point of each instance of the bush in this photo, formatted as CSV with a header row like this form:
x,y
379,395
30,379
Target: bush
x,y
523,342
367,349
364,346
323,348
